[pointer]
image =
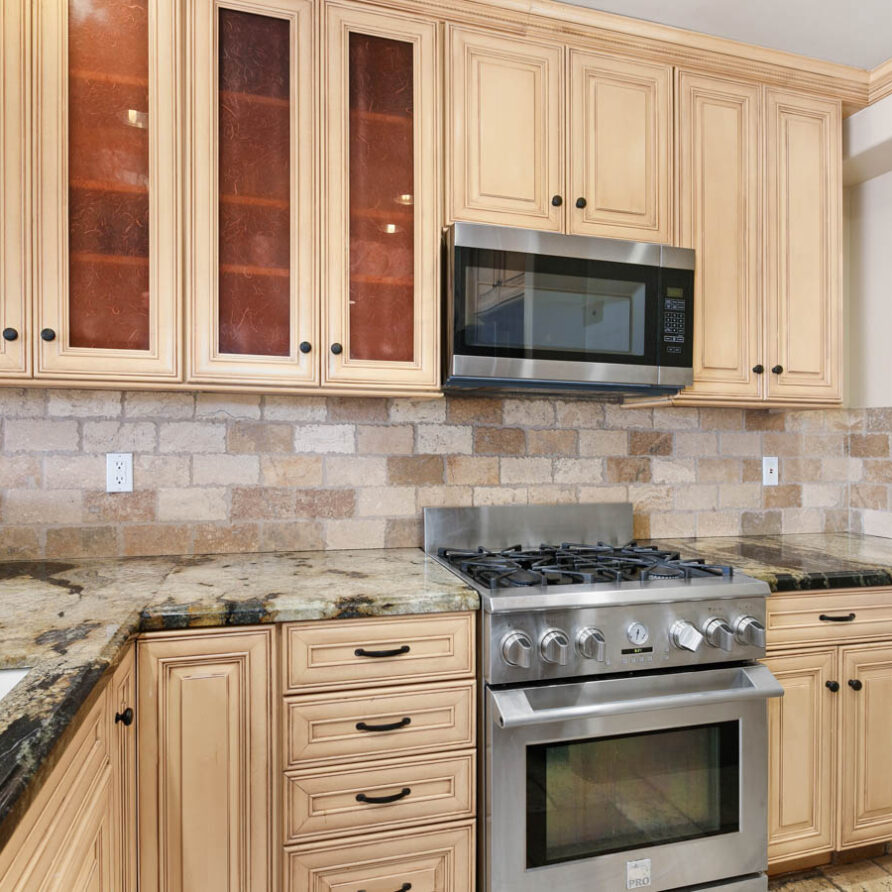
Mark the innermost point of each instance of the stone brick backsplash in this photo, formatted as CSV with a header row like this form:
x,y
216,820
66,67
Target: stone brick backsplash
x,y
230,473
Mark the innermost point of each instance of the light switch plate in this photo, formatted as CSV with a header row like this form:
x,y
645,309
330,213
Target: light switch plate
x,y
119,472
769,470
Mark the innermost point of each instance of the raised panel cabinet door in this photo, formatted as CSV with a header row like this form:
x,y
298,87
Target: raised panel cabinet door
x,y
250,220
719,214
803,263
15,297
205,762
801,754
620,148
505,115
380,115
122,709
865,764
107,239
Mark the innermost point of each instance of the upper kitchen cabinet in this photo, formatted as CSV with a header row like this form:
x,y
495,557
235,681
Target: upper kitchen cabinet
x,y
250,263
106,155
620,151
15,350
803,263
719,126
507,125
380,114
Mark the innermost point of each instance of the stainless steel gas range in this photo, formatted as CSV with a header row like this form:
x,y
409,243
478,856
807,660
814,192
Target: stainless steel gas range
x,y
623,717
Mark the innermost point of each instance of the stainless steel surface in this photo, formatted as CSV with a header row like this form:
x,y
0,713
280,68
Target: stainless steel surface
x,y
501,526
516,649
555,371
719,634
590,644
685,636
554,647
750,631
531,241
744,884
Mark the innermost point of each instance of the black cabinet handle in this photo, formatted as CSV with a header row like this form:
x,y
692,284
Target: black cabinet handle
x,y
383,800
833,685
397,651
125,717
10,334
336,349
758,369
556,200
393,726
826,618
305,347
581,203
855,685
777,369
404,888
48,334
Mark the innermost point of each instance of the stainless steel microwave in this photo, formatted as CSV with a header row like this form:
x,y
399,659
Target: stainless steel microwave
x,y
541,311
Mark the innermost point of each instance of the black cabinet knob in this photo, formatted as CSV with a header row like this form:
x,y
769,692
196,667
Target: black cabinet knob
x,y
125,717
336,349
10,334
48,334
777,369
855,685
759,368
833,686
556,200
305,347
581,203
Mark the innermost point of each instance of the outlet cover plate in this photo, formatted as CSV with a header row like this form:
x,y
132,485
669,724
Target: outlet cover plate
x,y
119,472
769,470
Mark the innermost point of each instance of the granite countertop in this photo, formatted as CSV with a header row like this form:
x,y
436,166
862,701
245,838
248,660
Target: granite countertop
x,y
70,620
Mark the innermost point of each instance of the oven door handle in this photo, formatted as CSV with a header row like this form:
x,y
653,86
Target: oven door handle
x,y
513,709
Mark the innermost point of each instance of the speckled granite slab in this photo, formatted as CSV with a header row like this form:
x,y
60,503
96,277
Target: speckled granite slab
x,y
70,620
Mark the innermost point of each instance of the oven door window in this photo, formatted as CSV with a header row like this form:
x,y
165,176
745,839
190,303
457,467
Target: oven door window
x,y
610,794
542,307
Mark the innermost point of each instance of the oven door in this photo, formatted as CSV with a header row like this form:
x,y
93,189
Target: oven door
x,y
645,782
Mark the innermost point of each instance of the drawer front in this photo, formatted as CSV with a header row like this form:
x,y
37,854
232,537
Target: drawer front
x,y
849,615
435,861
370,652
423,790
328,728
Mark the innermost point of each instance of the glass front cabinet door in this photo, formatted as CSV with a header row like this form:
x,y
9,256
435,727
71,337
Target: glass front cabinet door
x,y
381,206
106,233
250,279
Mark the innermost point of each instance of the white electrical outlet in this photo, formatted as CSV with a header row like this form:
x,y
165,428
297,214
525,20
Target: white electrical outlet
x,y
119,472
769,470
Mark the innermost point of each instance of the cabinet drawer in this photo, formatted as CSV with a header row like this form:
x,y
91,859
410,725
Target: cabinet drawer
x,y
796,618
324,803
370,652
335,728
434,861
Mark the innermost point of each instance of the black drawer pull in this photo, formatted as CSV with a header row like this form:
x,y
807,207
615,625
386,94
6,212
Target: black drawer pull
x,y
383,800
397,651
125,717
364,726
833,685
825,618
404,888
855,685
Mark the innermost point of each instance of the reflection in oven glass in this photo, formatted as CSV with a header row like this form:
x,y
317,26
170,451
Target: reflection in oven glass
x,y
602,795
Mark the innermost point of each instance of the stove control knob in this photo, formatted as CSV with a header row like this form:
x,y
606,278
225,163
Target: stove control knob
x,y
718,634
555,647
590,644
750,631
516,649
685,636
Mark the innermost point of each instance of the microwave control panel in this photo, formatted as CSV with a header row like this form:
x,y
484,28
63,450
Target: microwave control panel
x,y
675,328
675,309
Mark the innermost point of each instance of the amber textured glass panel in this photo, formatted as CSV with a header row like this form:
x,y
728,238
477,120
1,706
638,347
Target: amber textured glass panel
x,y
255,184
382,189
108,174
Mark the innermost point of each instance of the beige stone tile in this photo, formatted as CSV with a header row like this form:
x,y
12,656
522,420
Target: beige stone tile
x,y
627,470
320,504
166,406
262,503
742,443
740,495
764,420
651,443
472,470
557,442
357,409
877,470
718,523
604,443
673,470
721,419
73,472
525,470
647,497
84,403
718,470
799,470
529,412
39,435
227,406
578,470
117,436
403,532
443,496
751,470
823,444
55,506
277,407
836,520
697,497
863,876
385,440
355,533
802,520
23,471
212,538
876,523
551,494
473,410
415,470
878,419
869,445
579,414
785,495
385,501
19,543
676,418
781,443
619,418
641,526
413,411
119,507
334,438
225,470
797,883
500,495
839,469
195,503
291,535
673,524
260,437
341,470
192,437
160,470
499,441
444,439
806,420
81,542
823,495
603,493
761,523
866,495
22,402
157,539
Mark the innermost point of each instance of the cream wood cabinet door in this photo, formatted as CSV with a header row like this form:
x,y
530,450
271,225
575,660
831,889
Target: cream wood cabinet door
x,y
122,706
620,148
107,239
866,758
506,125
250,225
802,755
719,214
205,762
380,117
803,268
15,297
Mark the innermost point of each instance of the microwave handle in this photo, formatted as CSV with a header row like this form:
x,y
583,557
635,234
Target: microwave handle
x,y
512,708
